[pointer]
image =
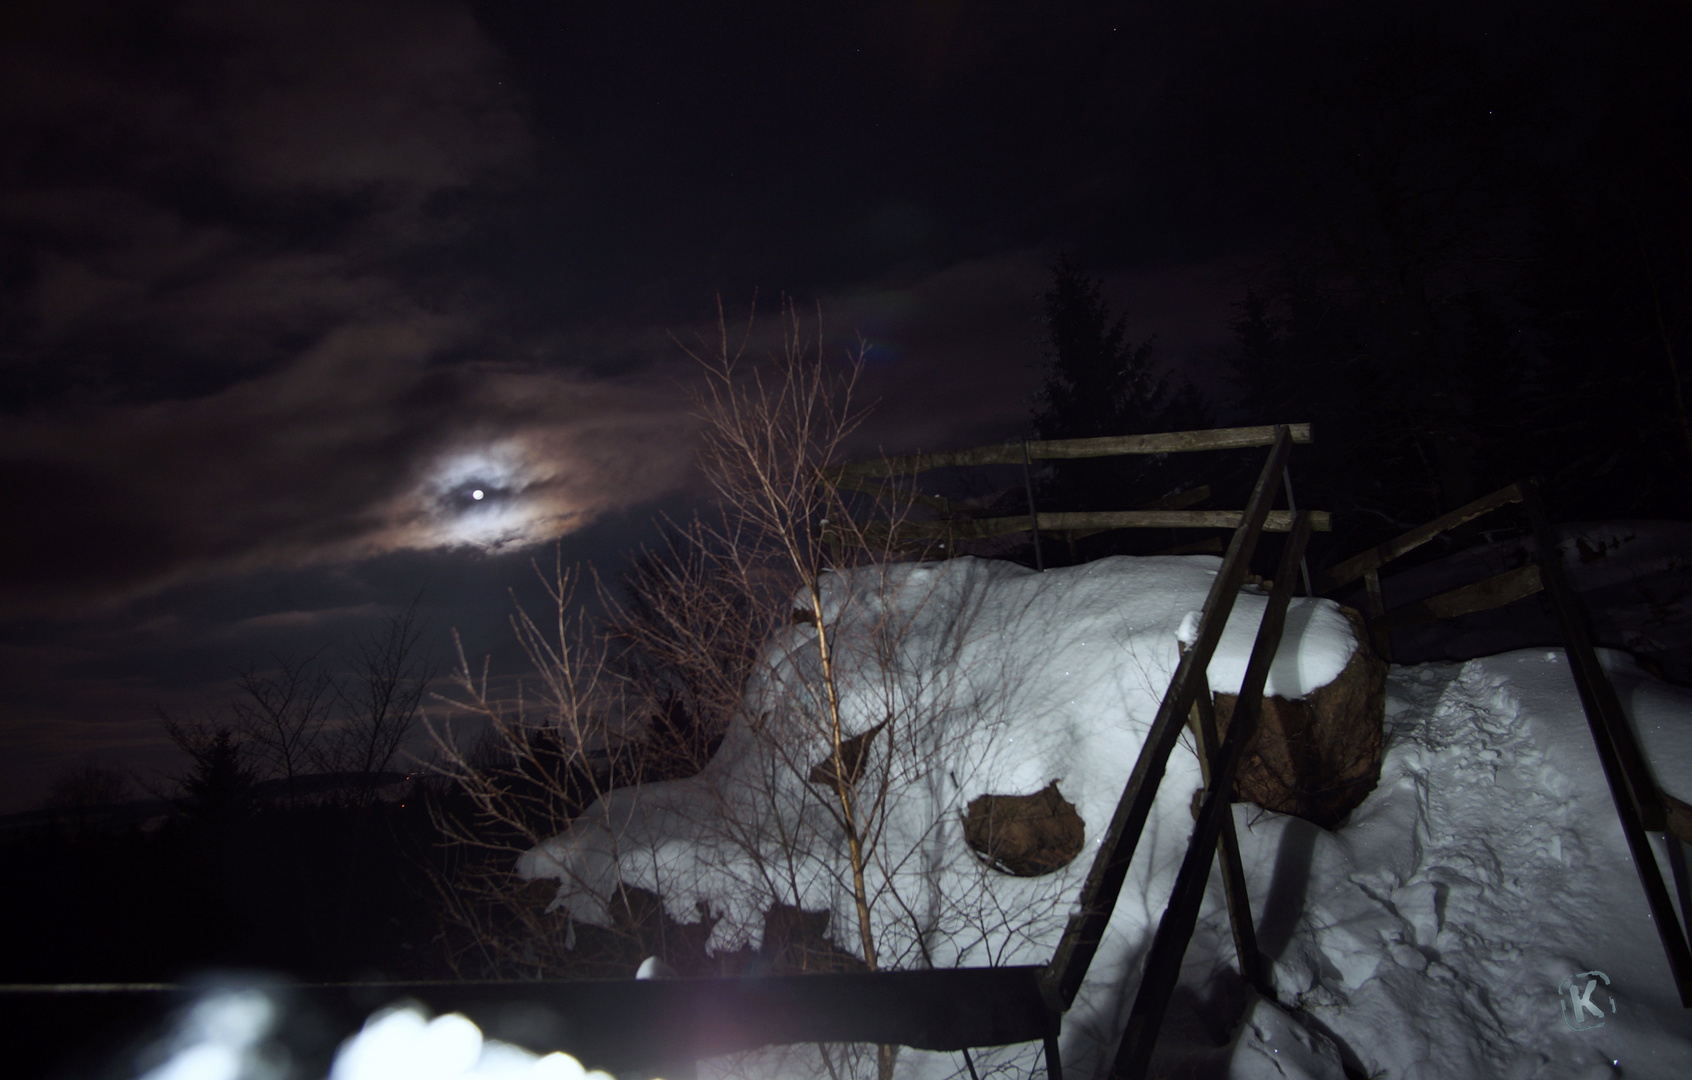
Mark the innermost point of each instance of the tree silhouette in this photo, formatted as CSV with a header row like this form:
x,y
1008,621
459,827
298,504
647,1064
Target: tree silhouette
x,y
218,785
1099,383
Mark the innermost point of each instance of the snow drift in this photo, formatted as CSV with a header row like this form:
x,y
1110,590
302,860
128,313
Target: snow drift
x,y
1428,935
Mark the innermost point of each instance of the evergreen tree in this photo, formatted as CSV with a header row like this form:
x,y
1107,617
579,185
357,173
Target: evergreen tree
x,y
1098,383
219,783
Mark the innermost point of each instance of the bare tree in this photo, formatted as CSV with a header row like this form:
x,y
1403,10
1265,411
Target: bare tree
x,y
784,619
383,697
546,749
86,787
282,713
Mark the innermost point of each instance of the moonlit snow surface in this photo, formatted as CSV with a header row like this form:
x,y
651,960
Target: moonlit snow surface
x,y
1426,938
1316,643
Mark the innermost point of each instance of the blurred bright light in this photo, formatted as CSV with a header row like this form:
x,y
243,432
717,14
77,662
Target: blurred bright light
x,y
226,1036
400,1044
477,494
221,1039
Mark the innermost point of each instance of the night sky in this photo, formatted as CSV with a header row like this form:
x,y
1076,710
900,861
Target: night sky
x,y
280,284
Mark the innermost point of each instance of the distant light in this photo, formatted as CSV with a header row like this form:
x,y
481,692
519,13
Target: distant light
x,y
477,494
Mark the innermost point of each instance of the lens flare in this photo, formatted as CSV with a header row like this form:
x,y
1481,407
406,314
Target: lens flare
x,y
231,1034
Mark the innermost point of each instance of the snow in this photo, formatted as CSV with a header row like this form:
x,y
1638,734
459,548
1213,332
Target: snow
x,y
404,1044
1428,936
1316,643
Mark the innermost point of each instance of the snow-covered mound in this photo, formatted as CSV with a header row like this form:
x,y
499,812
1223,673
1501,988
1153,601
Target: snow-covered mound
x,y
1429,935
996,679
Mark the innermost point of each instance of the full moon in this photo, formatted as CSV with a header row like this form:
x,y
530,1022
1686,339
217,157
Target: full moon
x,y
477,494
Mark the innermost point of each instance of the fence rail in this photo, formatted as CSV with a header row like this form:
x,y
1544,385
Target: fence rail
x,y
1013,453
958,521
659,1027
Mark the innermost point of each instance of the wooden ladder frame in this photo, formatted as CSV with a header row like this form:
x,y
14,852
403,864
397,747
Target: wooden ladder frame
x,y
1189,693
1640,804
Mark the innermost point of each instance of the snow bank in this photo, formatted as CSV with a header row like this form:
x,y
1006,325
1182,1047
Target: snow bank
x,y
1429,937
998,680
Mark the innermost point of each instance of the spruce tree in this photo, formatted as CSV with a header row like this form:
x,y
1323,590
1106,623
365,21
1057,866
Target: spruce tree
x,y
1098,383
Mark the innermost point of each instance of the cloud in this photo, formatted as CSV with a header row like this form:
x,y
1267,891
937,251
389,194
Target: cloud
x,y
220,356
360,447
204,187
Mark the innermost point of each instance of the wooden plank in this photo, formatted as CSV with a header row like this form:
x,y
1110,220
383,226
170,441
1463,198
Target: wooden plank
x,y
630,1025
1378,637
1085,929
953,510
1494,592
1677,819
1063,521
1175,929
1169,442
1358,565
1228,849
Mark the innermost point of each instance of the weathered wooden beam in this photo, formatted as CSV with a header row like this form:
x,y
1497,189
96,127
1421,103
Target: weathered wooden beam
x,y
1085,929
1494,592
638,1026
1175,929
1063,521
1169,442
1358,565
1228,847
1378,636
1677,820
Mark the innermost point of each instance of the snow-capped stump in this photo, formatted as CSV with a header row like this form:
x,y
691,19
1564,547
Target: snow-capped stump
x,y
1025,835
1317,757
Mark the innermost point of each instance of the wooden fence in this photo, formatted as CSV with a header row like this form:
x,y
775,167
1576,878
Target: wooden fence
x,y
957,521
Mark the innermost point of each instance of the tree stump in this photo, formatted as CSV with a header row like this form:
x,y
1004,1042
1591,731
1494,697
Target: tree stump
x,y
1320,757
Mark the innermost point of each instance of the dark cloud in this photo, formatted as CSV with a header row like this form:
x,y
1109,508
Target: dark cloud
x,y
353,450
217,355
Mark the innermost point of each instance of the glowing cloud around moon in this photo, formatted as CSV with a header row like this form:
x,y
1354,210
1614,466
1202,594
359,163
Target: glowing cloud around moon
x,y
498,496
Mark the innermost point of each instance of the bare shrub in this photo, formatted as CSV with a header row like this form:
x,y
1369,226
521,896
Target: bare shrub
x,y
779,624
